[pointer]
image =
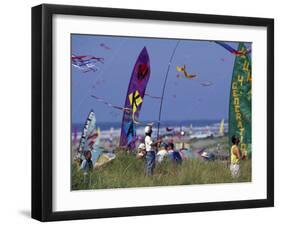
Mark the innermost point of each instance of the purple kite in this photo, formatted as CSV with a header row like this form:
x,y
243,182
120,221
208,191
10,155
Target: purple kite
x,y
134,99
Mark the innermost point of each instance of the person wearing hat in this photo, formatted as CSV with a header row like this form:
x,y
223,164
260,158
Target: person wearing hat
x,y
141,151
205,156
150,148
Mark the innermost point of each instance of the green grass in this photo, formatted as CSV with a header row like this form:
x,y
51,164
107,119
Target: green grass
x,y
125,171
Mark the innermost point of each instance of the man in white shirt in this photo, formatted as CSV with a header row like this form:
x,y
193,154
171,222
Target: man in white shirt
x,y
150,148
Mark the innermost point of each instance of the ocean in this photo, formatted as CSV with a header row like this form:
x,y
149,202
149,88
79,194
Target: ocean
x,y
185,123
197,126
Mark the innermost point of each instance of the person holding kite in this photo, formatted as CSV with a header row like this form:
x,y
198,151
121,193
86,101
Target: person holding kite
x,y
150,148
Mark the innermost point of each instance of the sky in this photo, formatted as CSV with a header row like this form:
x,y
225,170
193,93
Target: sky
x,y
184,99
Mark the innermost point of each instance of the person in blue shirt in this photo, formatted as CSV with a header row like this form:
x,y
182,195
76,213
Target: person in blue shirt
x,y
174,155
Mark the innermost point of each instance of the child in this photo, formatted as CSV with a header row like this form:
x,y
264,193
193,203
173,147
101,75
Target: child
x,y
150,148
87,163
235,157
141,151
162,153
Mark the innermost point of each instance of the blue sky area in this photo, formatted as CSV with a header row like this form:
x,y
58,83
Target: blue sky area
x,y
184,99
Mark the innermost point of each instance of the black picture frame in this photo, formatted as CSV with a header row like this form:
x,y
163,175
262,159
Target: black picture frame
x,y
42,111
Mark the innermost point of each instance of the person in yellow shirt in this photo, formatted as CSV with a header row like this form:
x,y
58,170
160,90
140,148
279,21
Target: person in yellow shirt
x,y
235,157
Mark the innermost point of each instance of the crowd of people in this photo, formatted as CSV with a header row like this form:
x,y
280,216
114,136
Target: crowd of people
x,y
148,151
155,152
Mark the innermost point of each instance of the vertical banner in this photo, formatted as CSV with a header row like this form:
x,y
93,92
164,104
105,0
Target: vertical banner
x,y
89,133
240,103
134,99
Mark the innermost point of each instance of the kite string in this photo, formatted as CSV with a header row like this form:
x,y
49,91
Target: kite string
x,y
110,104
152,97
164,87
123,109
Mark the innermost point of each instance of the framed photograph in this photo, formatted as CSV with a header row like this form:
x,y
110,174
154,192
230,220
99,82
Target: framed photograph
x,y
146,112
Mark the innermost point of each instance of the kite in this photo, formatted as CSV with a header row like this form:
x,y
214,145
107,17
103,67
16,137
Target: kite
x,y
206,83
89,134
77,57
233,51
134,99
85,68
111,105
186,74
105,46
99,59
169,129
86,63
180,69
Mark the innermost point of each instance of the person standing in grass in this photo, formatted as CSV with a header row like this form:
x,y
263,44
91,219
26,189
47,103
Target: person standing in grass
x,y
87,163
235,157
150,148
86,167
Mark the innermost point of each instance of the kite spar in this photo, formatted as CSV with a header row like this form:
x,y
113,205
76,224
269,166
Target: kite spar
x,y
164,87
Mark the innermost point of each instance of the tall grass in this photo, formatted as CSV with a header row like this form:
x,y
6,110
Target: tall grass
x,y
125,171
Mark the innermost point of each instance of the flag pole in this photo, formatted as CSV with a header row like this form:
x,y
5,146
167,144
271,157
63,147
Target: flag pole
x,y
164,87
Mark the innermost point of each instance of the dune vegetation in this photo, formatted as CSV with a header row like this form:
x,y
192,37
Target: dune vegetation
x,y
125,171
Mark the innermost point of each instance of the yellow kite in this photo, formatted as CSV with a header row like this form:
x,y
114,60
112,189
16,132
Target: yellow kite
x,y
186,74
